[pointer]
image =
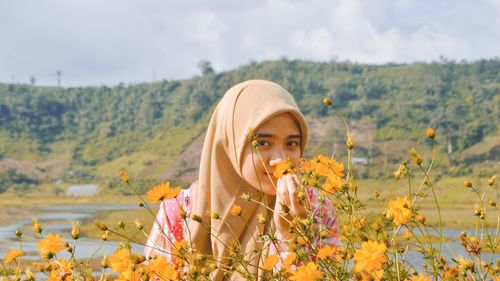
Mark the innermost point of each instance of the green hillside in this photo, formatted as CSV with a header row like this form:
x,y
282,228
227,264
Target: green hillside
x,y
96,131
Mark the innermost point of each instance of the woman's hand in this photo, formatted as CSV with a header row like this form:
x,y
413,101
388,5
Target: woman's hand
x,y
287,204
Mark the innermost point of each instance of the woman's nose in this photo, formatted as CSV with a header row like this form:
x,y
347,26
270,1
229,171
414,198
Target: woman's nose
x,y
275,161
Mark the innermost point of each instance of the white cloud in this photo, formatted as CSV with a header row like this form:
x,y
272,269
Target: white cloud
x,y
111,41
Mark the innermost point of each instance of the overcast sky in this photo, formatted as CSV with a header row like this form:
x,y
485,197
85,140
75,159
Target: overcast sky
x,y
96,42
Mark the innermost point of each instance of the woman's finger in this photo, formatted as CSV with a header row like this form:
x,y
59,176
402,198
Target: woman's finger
x,y
296,208
282,197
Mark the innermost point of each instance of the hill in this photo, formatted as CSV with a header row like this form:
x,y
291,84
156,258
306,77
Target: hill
x,y
154,129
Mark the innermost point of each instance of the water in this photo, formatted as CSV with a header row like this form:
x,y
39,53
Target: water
x,y
87,190
57,219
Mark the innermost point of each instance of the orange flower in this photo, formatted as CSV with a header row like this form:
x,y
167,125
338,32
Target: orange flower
x,y
162,191
324,166
326,252
270,262
399,208
420,277
333,183
120,261
124,176
12,255
235,210
406,234
179,251
131,275
307,272
370,257
283,168
51,245
161,269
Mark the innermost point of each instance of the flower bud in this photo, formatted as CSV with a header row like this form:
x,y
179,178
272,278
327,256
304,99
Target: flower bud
x,y
327,101
124,176
183,213
19,233
492,203
430,133
28,275
105,236
350,141
37,228
138,224
246,197
121,224
420,218
492,180
262,218
100,225
215,215
415,158
196,218
75,230
104,262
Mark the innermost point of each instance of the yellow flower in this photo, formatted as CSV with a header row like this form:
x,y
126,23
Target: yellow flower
x,y
235,210
287,263
51,245
161,269
12,255
120,260
270,262
370,257
124,176
283,168
420,277
65,266
307,272
399,209
326,252
162,191
53,276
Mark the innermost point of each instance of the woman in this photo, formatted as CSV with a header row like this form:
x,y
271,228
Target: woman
x,y
255,127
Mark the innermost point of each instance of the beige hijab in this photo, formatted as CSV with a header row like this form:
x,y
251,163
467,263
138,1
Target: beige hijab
x,y
244,107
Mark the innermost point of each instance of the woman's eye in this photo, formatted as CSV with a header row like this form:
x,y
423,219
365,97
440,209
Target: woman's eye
x,y
264,143
293,143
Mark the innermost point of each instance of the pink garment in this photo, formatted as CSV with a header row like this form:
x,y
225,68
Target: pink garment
x,y
168,229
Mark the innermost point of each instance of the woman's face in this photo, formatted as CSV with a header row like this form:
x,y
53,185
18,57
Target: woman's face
x,y
278,138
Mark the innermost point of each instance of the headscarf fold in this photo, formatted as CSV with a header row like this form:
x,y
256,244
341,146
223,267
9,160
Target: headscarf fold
x,y
242,109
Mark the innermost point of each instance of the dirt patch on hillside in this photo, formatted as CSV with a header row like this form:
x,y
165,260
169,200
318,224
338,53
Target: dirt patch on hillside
x,y
186,165
37,169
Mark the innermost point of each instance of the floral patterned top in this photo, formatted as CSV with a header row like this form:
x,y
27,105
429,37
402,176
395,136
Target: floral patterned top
x,y
169,227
